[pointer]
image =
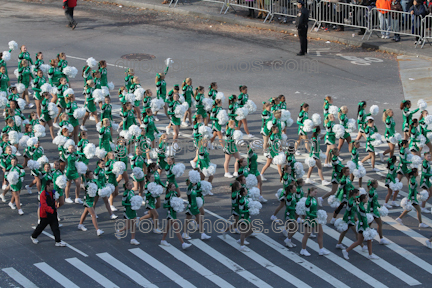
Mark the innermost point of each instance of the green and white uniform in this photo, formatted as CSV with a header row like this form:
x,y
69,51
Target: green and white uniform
x,y
343,120
138,161
391,174
230,146
390,128
414,139
126,202
407,118
244,209
104,76
55,175
100,177
170,175
315,149
161,154
337,170
188,93
171,214
25,75
425,176
128,119
88,201
350,212
36,86
232,113
344,188
253,163
193,192
369,131
112,178
70,108
17,187
403,162
330,136
89,105
200,106
161,87
105,138
412,195
311,211
216,127
71,171
361,119
106,111
150,128
171,112
4,81
290,207
80,150
203,158
373,204
54,75
265,117
273,146
303,115
362,218
242,99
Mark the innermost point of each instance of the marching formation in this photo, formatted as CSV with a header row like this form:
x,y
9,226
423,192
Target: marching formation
x,y
149,154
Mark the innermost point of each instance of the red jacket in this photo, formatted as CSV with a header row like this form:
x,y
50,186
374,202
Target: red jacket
x,y
69,3
47,204
383,4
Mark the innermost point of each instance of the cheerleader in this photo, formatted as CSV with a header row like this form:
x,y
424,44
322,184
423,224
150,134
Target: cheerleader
x,y
350,218
128,116
45,115
83,141
328,101
152,204
59,98
361,119
161,149
36,87
187,92
197,123
299,189
424,129
45,175
15,188
4,79
72,175
102,68
138,161
130,215
266,116
3,64
242,100
389,132
330,138
230,149
161,89
112,178
88,205
233,105
315,154
272,149
336,174
89,104
414,137
34,153
105,137
343,120
405,106
286,179
343,192
170,193
424,180
101,179
150,127
199,97
244,222
5,163
216,127
355,145
412,196
171,178
290,215
71,106
303,115
122,155
369,130
373,206
54,73
136,105
96,79
106,109
25,77
55,174
391,178
129,75
213,91
86,75
153,170
203,161
252,164
174,121
403,160
235,196
311,224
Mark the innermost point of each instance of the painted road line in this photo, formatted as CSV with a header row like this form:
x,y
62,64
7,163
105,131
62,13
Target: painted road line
x,y
229,263
200,269
266,264
152,262
406,230
132,274
301,261
90,272
55,275
19,278
67,245
380,262
108,64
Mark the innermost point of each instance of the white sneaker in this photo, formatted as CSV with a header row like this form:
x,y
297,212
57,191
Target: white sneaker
x,y
92,118
118,235
253,235
320,201
323,252
384,242
426,211
244,249
210,194
82,227
68,200
56,125
134,242
167,130
157,231
421,225
78,201
228,175
304,252
250,136
224,235
428,244
34,240
273,218
312,235
18,153
399,221
381,155
184,125
186,236
328,165
99,232
205,236
332,221
309,181
289,243
113,217
263,178
345,254
364,248
193,164
156,118
340,246
113,209
31,105
393,203
388,206
4,187
235,174
29,191
297,153
2,197
20,212
12,206
186,245
245,242
60,244
373,257
236,231
325,182
164,243
262,199
83,128
376,169
60,225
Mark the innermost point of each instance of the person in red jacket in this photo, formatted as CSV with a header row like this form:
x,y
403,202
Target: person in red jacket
x,y
48,215
69,6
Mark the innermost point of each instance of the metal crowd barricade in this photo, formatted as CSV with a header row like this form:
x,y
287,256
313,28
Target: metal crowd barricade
x,y
288,8
264,6
395,22
426,30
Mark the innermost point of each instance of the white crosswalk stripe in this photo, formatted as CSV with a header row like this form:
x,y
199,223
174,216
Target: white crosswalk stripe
x,y
161,267
90,272
54,274
19,278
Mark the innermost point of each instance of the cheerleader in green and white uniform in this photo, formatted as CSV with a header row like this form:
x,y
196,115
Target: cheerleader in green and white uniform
x,y
311,223
86,74
232,108
72,175
55,174
273,148
369,130
38,63
25,77
389,132
161,89
244,219
194,192
315,154
71,106
62,63
138,161
424,129
161,149
5,162
102,68
349,217
171,178
199,97
361,119
373,206
153,169
89,104
4,79
59,98
355,145
303,115
252,164
121,153
129,75
174,121
137,103
106,109
286,179
342,194
290,214
34,153
330,137
230,149
235,197
216,127
196,124
403,160
129,214
152,204
187,93
111,177
150,127
101,180
89,205
128,116
105,137
45,116
242,100
391,178
414,138
37,83
425,182
328,101
45,174
204,159
405,106
54,73
266,116
343,120
15,188
336,174
83,141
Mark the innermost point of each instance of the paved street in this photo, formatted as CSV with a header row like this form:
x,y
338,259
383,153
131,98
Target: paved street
x,y
230,55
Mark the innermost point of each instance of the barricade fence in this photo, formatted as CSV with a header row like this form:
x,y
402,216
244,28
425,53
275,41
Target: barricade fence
x,y
367,18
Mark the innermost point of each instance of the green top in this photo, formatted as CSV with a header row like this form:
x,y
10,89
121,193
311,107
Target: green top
x,y
161,86
390,127
311,208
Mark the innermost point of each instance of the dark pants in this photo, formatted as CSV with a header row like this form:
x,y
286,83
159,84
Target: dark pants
x,y
53,222
302,32
69,15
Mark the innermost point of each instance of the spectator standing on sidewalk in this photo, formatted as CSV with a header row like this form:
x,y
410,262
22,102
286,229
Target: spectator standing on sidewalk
x,y
418,11
69,6
395,18
361,15
384,17
302,26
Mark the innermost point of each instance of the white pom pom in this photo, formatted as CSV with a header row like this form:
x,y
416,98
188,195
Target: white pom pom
x,y
81,167
153,153
242,113
130,97
339,130
45,68
23,141
194,176
316,118
310,162
157,104
421,104
250,105
415,161
46,88
138,173
100,153
33,165
210,171
298,166
42,160
21,103
396,186
351,165
155,189
182,99
3,101
168,61
301,207
362,191
68,143
16,73
308,125
170,151
383,211
111,187
91,62
92,189
180,110
139,94
428,119
206,187
237,135
220,96
79,113
114,125
222,116
39,131
278,193
341,225
134,130
136,202
370,217
369,234
177,204
422,140
352,125
323,156
178,169
59,140
406,204
13,45
254,207
111,86
126,135
18,120
89,150
422,195
13,137
68,92
374,110
61,181
285,115
70,71
251,181
52,110
104,192
279,159
208,104
333,110
333,201
56,195
6,56
32,141
396,138
98,95
378,139
54,90
205,131
322,217
360,172
199,202
118,168
14,149
13,177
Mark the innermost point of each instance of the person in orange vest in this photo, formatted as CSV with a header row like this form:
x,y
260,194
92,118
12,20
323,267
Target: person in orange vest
x,y
384,17
69,6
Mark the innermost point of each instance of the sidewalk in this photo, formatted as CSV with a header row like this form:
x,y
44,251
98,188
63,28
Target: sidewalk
x,y
211,10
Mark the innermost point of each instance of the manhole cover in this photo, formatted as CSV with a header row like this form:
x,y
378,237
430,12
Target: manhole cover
x,y
138,57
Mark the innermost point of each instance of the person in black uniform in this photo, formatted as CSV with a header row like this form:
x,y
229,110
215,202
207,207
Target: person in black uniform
x,y
302,26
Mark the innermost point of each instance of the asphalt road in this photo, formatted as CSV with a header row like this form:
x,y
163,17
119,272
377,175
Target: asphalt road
x,y
231,56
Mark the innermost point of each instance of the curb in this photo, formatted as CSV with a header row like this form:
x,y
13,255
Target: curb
x,y
253,24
